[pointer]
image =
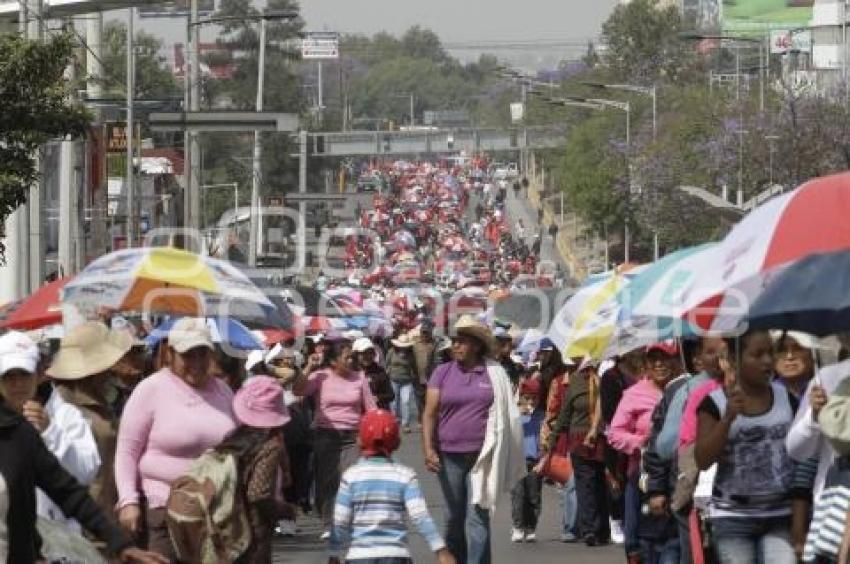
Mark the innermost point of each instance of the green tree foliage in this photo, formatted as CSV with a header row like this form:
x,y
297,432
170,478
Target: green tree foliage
x,y
644,44
382,70
36,108
154,78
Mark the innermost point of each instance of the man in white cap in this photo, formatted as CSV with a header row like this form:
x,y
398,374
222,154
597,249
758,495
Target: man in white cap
x,y
26,463
62,426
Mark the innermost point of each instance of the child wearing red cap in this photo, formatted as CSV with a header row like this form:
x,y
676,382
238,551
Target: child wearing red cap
x,y
526,496
376,498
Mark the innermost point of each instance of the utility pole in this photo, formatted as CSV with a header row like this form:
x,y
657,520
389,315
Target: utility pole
x,y
412,117
129,134
302,189
195,106
37,245
99,231
258,152
68,212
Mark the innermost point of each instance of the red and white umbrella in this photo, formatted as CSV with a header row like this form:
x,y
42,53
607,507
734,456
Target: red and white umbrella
x,y
714,288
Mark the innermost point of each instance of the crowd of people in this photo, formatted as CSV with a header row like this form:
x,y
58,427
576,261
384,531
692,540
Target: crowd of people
x,y
682,451
447,225
711,449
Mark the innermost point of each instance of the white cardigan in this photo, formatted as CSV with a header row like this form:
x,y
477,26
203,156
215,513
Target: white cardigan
x,y
805,439
69,437
502,460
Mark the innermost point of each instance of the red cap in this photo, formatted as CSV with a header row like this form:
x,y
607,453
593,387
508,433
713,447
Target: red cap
x,y
379,433
670,347
530,387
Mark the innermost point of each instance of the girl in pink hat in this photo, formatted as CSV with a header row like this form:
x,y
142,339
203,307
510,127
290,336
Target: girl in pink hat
x,y
258,446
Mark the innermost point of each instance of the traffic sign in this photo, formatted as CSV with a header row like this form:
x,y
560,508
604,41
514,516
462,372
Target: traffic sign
x,y
320,45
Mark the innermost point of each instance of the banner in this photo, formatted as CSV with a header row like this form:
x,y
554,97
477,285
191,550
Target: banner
x,y
762,15
517,112
784,41
176,8
320,45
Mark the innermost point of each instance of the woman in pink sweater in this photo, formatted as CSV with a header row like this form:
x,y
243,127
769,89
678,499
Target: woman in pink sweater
x,y
341,396
171,418
629,432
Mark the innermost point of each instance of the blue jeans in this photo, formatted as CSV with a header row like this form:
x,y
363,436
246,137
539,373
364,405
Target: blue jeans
x,y
402,403
684,537
467,526
748,540
631,515
659,552
568,494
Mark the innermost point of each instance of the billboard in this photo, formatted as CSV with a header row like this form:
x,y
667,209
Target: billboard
x,y
761,15
174,8
320,45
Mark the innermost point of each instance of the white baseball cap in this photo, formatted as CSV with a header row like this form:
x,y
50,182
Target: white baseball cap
x,y
189,333
362,344
17,352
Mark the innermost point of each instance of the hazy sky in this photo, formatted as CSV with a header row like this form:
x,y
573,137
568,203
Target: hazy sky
x,y
463,20
551,23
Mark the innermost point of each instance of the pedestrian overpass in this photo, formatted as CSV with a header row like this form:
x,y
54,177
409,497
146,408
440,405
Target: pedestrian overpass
x,y
434,141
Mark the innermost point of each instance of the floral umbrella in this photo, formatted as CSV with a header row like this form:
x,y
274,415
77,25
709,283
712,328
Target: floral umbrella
x,y
161,279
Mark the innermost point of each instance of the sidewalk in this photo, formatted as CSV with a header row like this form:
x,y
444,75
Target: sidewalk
x,y
520,208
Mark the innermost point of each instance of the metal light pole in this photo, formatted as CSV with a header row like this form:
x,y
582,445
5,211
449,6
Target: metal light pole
x,y
258,154
131,196
258,148
772,147
624,107
194,202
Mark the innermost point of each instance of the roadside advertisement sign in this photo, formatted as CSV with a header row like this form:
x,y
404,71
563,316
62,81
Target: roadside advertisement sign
x,y
762,15
176,8
319,45
784,41
517,112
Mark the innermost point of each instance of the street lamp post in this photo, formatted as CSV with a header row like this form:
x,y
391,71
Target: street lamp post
x,y
624,107
128,134
258,147
652,92
258,154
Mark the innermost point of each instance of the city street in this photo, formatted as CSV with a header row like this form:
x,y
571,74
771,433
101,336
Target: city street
x,y
306,548
239,233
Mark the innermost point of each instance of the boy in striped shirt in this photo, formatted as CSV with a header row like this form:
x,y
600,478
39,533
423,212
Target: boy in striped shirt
x,y
376,498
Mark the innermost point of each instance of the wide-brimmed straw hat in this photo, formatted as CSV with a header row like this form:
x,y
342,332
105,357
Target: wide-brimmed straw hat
x,y
403,342
89,349
469,326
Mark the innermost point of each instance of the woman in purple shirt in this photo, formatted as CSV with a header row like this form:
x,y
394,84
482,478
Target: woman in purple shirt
x,y
454,424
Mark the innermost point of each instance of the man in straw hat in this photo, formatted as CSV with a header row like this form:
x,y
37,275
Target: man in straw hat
x,y
400,368
472,433
81,371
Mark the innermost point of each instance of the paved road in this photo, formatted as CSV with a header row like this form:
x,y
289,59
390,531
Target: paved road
x,y
520,208
307,549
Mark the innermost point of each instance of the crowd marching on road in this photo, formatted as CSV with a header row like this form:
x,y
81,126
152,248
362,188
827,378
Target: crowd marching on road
x,y
200,438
